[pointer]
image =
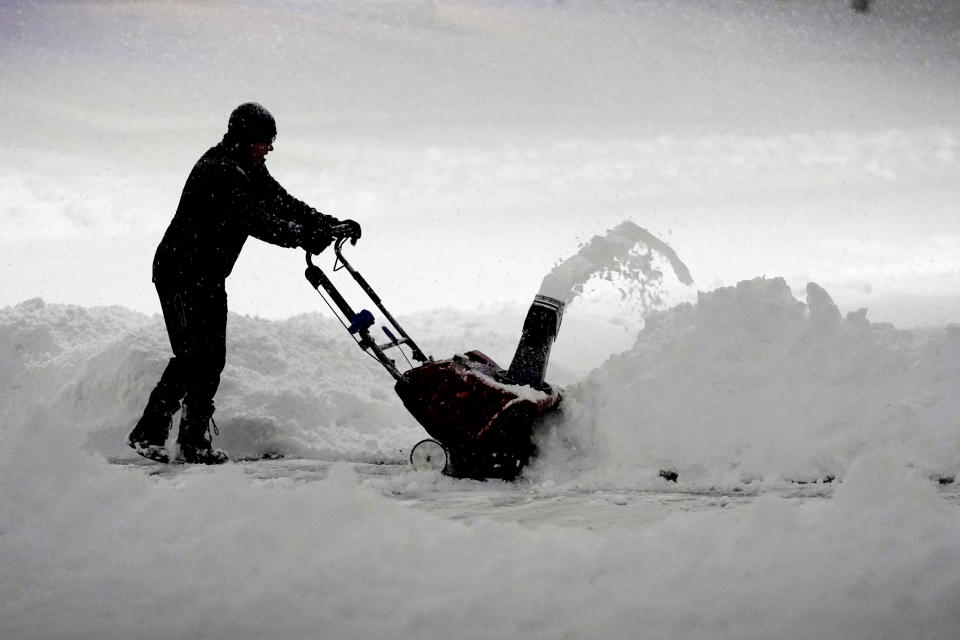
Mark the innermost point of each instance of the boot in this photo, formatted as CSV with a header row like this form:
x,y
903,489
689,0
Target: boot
x,y
196,444
149,436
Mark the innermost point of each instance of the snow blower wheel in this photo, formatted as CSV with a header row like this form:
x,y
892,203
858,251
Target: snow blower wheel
x,y
429,455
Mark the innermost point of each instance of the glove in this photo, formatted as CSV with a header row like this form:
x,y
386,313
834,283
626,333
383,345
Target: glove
x,y
315,240
346,229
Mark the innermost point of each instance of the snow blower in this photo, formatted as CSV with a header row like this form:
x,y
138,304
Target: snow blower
x,y
479,416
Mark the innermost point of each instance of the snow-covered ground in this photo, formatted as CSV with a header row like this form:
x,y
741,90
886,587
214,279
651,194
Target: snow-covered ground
x,y
754,398
771,144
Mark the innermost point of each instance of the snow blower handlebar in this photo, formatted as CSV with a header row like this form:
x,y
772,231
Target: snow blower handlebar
x,y
360,323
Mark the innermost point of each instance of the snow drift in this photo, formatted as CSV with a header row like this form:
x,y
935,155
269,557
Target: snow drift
x,y
296,387
747,383
750,384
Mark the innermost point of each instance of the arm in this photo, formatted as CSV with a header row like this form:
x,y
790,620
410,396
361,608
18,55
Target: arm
x,y
318,230
271,214
258,205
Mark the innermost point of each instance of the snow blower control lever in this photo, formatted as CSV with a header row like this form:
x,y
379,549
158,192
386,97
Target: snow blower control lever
x,y
359,324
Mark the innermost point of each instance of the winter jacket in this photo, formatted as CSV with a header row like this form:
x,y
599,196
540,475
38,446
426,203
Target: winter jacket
x,y
225,199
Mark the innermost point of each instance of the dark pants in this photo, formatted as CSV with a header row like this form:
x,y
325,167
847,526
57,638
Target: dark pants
x,y
196,319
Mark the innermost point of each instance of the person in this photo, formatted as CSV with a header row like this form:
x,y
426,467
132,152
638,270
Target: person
x,y
228,196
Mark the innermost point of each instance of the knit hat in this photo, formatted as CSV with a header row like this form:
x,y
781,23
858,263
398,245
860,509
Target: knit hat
x,y
250,122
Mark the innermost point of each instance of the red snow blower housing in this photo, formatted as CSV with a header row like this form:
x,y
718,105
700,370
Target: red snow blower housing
x,y
480,417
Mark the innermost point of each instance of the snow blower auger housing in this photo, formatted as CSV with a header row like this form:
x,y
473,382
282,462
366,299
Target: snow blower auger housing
x,y
480,417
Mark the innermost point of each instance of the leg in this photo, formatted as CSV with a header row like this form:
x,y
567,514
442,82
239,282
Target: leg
x,y
149,436
202,352
204,348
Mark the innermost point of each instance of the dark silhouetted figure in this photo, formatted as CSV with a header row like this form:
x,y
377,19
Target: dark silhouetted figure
x,y
228,196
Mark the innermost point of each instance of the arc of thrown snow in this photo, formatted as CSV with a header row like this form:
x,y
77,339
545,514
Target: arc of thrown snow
x,y
566,280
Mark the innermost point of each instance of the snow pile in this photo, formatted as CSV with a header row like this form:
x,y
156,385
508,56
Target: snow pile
x,y
296,387
750,384
44,348
747,385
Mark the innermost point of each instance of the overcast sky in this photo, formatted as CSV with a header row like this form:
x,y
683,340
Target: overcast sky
x,y
480,142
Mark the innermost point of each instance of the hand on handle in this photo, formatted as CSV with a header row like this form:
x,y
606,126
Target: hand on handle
x,y
346,229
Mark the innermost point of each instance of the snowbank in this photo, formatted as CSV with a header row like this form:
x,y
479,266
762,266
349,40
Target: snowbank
x,y
296,387
747,383
750,384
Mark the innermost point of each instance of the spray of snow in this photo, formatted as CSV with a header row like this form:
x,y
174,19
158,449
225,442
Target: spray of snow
x,y
626,255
